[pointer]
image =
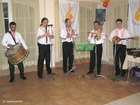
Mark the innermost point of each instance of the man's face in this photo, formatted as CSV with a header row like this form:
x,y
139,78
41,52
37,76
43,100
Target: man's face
x,y
119,24
45,23
13,28
68,23
96,26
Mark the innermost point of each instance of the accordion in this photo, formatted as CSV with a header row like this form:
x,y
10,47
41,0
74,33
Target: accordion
x,y
135,52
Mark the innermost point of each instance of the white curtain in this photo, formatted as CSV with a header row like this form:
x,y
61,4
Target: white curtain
x,y
66,7
133,24
58,43
63,9
86,18
133,19
47,10
26,14
3,59
115,9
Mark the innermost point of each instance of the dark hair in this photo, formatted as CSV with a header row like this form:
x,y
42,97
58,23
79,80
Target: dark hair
x,y
96,22
66,20
119,20
12,23
42,20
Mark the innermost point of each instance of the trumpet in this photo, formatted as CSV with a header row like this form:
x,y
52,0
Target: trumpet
x,y
99,32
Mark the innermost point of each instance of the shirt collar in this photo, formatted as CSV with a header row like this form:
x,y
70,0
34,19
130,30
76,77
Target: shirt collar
x,y
120,30
13,32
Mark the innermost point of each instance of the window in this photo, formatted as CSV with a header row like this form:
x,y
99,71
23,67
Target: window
x,y
6,17
7,14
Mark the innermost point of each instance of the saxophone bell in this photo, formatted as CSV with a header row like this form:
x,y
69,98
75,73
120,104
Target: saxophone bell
x,y
99,33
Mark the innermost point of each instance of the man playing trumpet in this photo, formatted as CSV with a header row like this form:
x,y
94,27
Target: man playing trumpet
x,y
96,37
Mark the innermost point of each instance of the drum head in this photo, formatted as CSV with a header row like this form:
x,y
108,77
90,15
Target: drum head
x,y
12,51
16,54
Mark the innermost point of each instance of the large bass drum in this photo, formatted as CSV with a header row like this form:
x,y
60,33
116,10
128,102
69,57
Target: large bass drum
x,y
16,54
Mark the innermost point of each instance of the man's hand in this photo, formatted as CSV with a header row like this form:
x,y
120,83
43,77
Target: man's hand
x,y
113,39
92,34
10,45
51,36
44,35
69,36
28,51
127,39
47,34
73,33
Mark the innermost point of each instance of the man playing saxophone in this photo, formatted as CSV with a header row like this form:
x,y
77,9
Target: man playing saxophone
x,y
96,37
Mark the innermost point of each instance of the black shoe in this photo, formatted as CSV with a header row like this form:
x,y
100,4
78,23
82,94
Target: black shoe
x,y
65,72
24,78
88,73
11,80
117,73
72,71
123,73
40,76
98,73
51,73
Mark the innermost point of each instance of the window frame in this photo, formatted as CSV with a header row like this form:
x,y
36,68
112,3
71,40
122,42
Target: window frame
x,y
9,10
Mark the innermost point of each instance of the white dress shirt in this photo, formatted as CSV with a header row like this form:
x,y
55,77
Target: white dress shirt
x,y
41,31
63,35
7,39
93,39
123,33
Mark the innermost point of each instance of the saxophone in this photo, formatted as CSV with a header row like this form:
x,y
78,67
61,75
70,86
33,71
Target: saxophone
x,y
99,33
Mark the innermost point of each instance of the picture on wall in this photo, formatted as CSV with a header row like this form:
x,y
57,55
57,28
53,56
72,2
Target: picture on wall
x,y
100,14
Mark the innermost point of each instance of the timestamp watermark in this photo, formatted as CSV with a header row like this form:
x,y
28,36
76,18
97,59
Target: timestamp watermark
x,y
12,101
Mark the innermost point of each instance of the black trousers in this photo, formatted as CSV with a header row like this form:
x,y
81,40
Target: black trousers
x,y
12,69
119,56
44,53
99,50
67,54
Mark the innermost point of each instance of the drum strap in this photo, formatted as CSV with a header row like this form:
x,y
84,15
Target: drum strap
x,y
12,37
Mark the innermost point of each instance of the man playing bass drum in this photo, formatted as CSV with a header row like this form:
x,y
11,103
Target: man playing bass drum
x,y
9,40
